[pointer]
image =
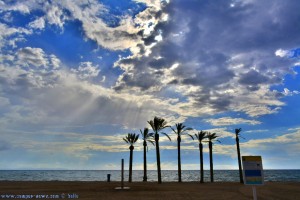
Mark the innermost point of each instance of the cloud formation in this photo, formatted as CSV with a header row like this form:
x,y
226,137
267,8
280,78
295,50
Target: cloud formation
x,y
226,121
224,60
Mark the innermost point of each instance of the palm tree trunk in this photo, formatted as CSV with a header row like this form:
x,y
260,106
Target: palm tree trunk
x,y
179,158
157,158
130,163
145,162
201,163
239,159
211,162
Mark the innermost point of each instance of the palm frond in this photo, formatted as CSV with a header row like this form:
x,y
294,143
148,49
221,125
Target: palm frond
x,y
151,123
191,136
174,131
135,138
237,131
201,136
131,138
125,140
211,136
166,135
180,129
157,124
151,134
152,142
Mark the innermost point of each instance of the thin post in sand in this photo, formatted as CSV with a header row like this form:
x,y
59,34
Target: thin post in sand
x,y
122,174
254,192
122,178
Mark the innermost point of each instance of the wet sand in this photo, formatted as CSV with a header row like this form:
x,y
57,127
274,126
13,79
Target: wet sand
x,y
140,190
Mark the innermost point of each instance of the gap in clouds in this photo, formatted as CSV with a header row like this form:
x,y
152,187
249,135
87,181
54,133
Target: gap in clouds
x,y
118,9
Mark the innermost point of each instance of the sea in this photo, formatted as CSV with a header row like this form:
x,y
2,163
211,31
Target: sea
x,y
137,175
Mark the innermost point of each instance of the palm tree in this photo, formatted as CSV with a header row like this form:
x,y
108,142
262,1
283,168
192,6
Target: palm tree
x,y
211,137
147,137
158,124
180,131
237,134
200,137
131,138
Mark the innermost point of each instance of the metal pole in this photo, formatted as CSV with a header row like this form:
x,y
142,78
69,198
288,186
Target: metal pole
x,y
254,193
122,175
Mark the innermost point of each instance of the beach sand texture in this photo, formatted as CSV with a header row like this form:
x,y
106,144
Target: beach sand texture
x,y
140,190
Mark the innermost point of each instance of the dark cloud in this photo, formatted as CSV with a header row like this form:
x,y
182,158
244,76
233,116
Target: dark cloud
x,y
143,80
253,78
219,43
149,40
158,63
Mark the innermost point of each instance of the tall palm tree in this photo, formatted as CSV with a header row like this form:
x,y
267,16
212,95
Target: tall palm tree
x,y
147,137
131,138
158,124
211,137
200,137
180,131
237,134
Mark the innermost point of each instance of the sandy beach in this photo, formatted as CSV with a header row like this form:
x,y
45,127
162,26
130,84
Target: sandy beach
x,y
140,190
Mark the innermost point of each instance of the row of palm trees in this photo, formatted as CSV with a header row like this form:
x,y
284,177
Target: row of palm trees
x,y
157,125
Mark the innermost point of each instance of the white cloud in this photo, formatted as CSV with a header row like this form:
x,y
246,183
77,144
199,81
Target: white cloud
x,y
54,15
38,23
287,92
20,7
294,129
226,121
55,61
15,34
121,37
282,53
221,132
256,131
124,36
86,70
29,56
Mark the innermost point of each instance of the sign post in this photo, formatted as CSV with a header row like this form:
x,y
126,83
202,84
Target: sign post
x,y
253,172
122,178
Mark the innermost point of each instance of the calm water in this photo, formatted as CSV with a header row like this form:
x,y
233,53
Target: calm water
x,y
167,175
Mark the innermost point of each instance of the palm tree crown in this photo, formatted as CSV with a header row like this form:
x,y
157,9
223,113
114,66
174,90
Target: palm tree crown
x,y
157,124
181,130
237,131
212,136
201,136
146,136
131,138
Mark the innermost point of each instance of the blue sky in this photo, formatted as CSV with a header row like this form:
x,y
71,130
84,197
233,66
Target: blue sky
x,y
77,76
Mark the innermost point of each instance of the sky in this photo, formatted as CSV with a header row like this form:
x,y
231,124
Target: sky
x,y
77,76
